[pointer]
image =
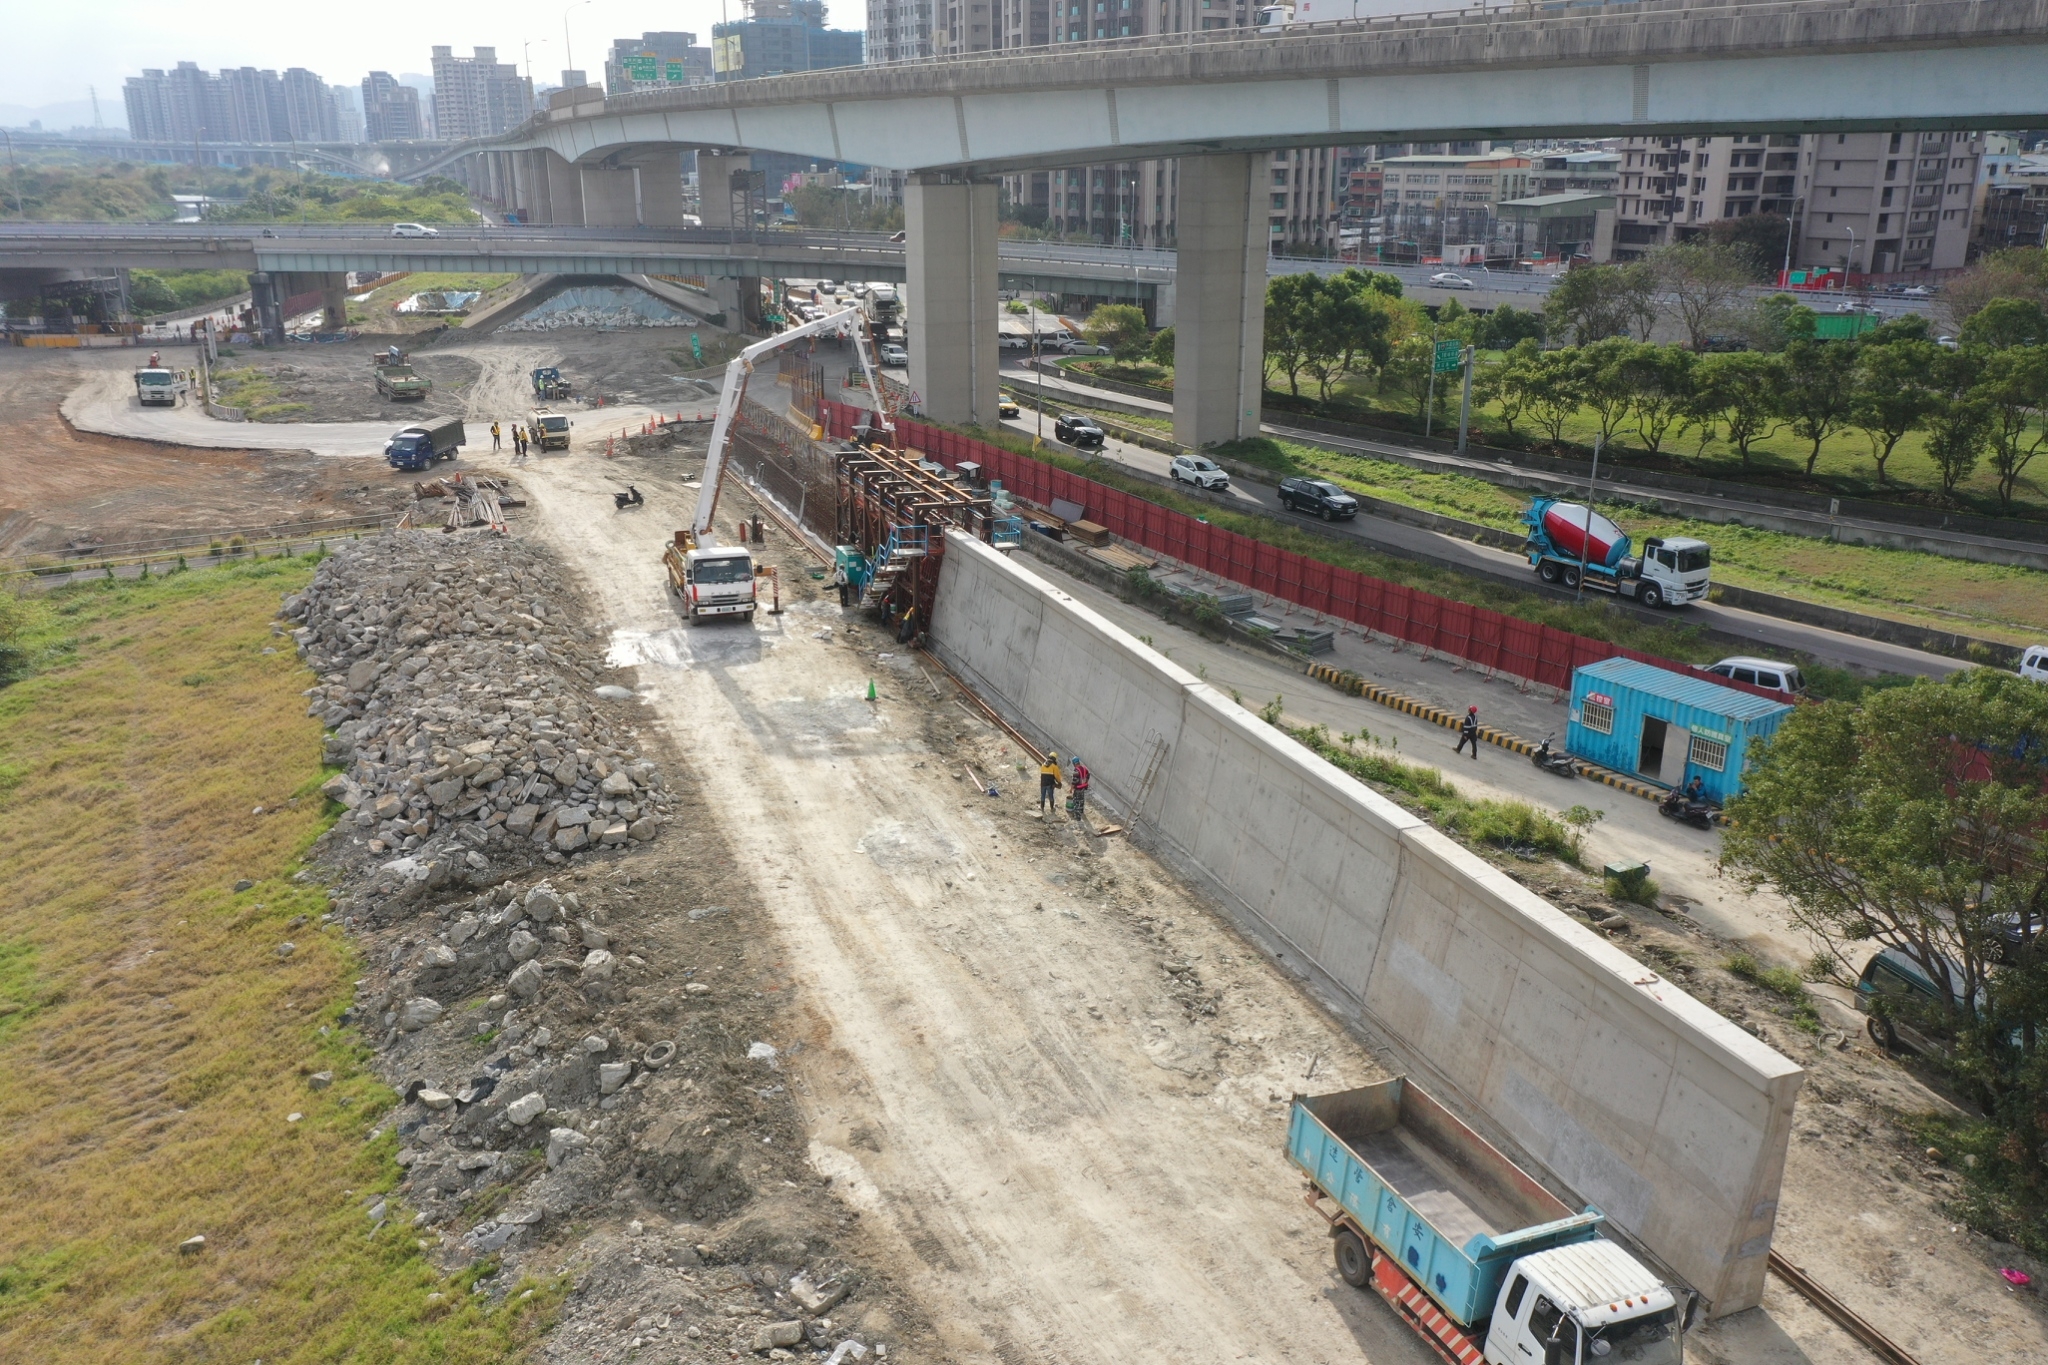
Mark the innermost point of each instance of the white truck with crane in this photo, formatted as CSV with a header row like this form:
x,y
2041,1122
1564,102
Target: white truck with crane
x,y
718,580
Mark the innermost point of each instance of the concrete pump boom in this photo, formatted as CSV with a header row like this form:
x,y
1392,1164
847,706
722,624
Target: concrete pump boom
x,y
735,386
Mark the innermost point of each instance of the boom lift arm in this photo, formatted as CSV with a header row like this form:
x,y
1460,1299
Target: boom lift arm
x,y
734,389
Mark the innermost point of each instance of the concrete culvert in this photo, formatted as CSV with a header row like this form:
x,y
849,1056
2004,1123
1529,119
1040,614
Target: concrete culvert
x,y
659,1056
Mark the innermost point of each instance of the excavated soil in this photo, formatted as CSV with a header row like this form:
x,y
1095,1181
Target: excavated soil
x,y
58,484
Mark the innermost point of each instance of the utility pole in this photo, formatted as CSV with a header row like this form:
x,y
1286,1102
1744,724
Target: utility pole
x,y
1586,538
1465,402
1791,226
1429,404
14,174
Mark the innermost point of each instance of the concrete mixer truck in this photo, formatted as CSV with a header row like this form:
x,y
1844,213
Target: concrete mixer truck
x,y
1566,538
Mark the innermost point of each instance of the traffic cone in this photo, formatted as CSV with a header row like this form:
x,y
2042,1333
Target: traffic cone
x,y
871,689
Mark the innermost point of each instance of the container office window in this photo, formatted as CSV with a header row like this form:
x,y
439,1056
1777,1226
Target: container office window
x,y
1597,718
1710,754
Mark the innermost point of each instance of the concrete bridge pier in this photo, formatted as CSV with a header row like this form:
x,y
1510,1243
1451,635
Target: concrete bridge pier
x,y
661,189
611,197
719,192
1219,303
950,269
564,190
334,300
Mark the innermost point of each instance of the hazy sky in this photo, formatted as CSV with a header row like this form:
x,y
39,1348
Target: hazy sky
x,y
56,48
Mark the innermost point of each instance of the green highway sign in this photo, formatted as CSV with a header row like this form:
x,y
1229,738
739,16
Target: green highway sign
x,y
1450,355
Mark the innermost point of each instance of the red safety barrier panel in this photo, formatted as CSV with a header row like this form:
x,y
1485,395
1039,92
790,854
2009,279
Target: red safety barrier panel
x,y
1506,644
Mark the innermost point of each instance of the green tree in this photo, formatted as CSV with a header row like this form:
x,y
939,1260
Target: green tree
x,y
1605,382
1506,325
1892,397
1756,240
1407,369
1162,348
1958,420
2016,273
1777,321
2004,323
1291,301
1122,328
1702,281
1739,390
1660,383
1550,390
1512,382
2014,391
1914,823
1350,328
1817,391
1597,301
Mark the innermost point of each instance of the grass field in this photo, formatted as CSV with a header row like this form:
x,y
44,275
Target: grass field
x,y
154,1041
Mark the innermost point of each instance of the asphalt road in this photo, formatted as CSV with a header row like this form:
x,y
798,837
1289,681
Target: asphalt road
x,y
1767,633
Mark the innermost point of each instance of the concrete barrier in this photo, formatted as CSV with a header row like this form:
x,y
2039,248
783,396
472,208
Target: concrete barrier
x,y
1632,1095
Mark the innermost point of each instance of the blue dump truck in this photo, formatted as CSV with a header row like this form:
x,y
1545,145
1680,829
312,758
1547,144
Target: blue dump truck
x,y
415,448
1477,1257
1569,539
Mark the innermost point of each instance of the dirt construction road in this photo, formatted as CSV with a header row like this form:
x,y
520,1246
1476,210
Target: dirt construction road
x,y
1078,1161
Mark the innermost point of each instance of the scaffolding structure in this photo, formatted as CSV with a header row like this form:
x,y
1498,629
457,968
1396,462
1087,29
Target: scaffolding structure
x,y
895,509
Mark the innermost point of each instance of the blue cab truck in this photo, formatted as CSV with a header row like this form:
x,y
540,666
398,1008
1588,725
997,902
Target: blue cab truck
x,y
417,447
1473,1254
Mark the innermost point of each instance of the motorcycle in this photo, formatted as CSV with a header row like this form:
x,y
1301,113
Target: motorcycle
x,y
1676,806
1560,764
630,498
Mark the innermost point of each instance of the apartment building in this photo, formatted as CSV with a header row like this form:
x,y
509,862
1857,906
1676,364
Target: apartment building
x,y
1434,200
240,104
2012,196
1876,203
899,30
391,111
1886,203
478,96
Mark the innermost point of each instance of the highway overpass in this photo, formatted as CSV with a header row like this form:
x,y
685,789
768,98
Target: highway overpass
x,y
29,251
1218,99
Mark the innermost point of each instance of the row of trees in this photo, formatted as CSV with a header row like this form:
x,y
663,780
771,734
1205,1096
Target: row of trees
x,y
1970,402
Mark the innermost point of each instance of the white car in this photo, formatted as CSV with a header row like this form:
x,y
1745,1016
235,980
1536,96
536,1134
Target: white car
x,y
895,355
413,230
1767,673
2034,663
1917,291
1199,472
1450,279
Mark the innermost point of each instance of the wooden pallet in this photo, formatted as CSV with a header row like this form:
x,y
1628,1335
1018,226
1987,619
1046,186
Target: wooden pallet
x,y
1119,558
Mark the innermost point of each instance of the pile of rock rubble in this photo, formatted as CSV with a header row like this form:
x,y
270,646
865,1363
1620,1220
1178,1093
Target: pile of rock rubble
x,y
463,707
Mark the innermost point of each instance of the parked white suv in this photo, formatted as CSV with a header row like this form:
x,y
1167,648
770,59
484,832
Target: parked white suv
x,y
1761,673
894,355
1199,472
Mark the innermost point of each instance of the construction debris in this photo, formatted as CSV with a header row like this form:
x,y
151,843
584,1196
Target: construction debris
x,y
462,716
466,500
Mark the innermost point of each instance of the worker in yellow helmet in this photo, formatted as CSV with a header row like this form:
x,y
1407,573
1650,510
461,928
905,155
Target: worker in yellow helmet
x,y
1049,782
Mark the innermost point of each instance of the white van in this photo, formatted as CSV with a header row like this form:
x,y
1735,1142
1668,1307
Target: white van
x,y
2034,663
1761,673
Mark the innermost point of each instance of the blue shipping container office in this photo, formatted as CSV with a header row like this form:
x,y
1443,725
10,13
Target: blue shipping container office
x,y
1640,719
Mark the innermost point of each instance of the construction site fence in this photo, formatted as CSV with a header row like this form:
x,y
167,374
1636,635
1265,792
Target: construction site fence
x,y
1481,637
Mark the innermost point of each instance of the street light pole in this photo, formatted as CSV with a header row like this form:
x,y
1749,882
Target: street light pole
x,y
568,50
1791,225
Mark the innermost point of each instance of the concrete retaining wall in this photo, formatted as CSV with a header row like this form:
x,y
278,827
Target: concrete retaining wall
x,y
1632,1095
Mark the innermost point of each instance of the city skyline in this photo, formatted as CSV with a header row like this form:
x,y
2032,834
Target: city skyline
x,y
125,38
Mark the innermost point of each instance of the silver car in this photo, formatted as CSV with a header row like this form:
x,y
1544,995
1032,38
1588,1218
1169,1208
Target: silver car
x,y
1450,279
413,230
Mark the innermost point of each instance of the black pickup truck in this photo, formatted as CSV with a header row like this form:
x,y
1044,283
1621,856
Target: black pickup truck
x,y
1319,496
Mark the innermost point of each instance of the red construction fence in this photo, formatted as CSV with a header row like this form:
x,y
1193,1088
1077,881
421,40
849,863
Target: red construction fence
x,y
1506,644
